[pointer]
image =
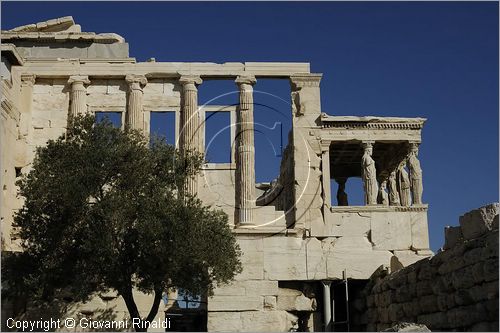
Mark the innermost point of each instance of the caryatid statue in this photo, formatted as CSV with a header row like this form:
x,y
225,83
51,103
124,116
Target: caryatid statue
x,y
393,190
341,195
404,184
369,175
415,174
383,197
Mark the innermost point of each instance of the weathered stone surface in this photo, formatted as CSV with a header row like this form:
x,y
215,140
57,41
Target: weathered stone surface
x,y
407,327
477,222
391,231
270,302
355,255
266,321
457,289
419,231
407,257
296,303
235,303
452,235
224,321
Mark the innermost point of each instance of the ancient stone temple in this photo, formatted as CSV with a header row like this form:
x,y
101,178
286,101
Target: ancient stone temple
x,y
305,250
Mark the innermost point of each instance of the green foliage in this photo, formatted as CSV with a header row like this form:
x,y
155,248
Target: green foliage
x,y
103,209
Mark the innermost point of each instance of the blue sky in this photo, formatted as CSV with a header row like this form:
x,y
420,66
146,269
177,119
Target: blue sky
x,y
437,60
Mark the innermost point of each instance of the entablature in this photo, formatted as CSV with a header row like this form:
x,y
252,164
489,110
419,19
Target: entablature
x,y
381,129
230,70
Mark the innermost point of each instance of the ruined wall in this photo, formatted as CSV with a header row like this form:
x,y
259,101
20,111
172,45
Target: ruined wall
x,y
10,151
457,289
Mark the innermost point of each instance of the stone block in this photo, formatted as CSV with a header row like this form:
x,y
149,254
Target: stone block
x,y
396,312
396,280
442,302
407,257
45,103
429,303
356,256
289,292
116,87
261,288
477,222
285,258
464,278
452,236
97,86
40,121
43,87
268,321
481,327
345,224
391,231
494,224
424,288
403,294
97,100
463,297
419,231
426,272
233,289
270,302
252,259
478,272
491,247
296,303
467,315
473,256
224,322
491,307
490,269
235,303
158,102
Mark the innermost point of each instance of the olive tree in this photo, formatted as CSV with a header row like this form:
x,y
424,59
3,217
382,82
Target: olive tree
x,y
104,209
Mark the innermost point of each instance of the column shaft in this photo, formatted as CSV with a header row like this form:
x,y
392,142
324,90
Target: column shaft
x,y
246,151
78,95
327,306
190,139
134,117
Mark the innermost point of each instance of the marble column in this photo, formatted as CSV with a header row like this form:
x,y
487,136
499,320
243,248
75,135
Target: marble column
x,y
246,151
369,174
134,118
415,174
190,122
325,168
393,189
78,95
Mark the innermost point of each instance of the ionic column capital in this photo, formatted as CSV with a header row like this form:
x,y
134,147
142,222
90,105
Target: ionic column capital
x,y
136,82
190,81
78,79
28,79
245,81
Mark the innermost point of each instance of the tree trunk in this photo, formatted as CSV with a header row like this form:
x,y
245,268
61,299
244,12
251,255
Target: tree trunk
x,y
128,297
